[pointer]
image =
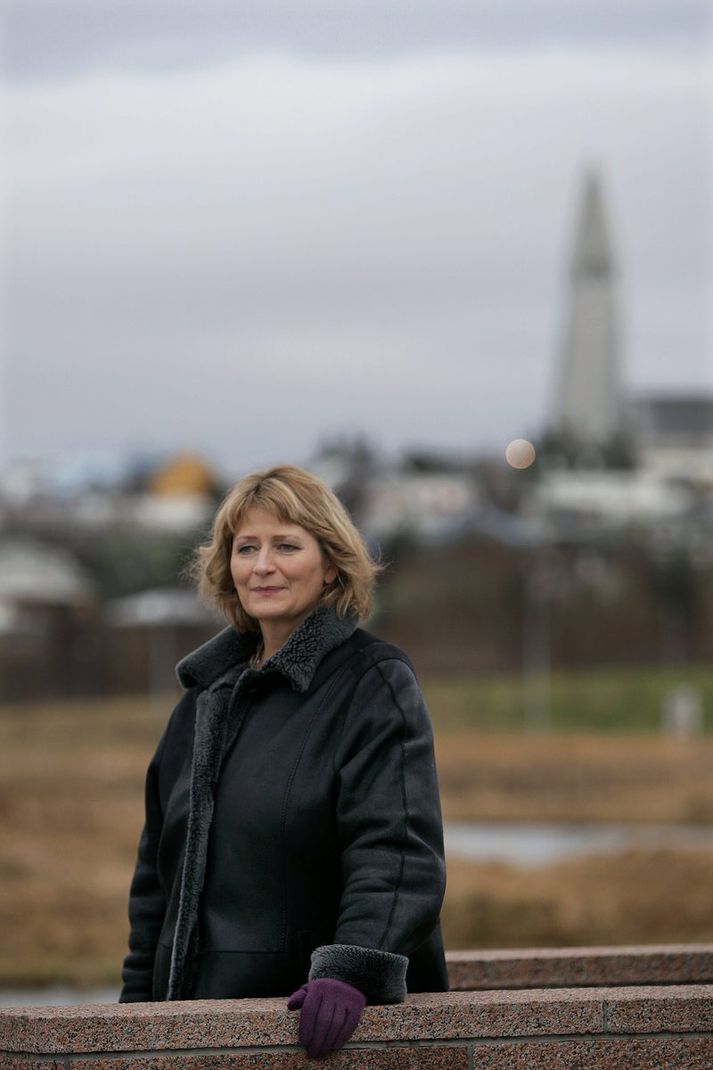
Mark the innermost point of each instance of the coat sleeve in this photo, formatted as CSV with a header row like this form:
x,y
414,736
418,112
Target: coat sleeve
x,y
146,898
391,836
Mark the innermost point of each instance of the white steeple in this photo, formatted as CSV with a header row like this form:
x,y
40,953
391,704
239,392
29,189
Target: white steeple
x,y
589,403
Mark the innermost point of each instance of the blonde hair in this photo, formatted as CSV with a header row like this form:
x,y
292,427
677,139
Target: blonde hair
x,y
294,496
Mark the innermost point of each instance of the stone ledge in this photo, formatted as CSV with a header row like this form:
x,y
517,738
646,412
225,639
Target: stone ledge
x,y
682,1053
234,1023
595,1053
648,1053
447,1016
683,1009
507,1010
581,966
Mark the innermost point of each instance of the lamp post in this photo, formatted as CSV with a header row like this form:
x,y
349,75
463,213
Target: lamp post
x,y
538,589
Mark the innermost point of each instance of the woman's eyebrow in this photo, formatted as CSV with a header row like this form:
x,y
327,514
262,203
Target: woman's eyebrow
x,y
280,535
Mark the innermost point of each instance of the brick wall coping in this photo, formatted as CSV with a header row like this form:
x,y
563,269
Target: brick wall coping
x,y
205,1025
621,1008
569,967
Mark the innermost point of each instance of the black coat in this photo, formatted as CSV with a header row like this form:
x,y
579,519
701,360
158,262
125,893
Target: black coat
x,y
292,817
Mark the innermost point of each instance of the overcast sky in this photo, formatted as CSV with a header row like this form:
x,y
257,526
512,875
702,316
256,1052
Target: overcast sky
x,y
241,227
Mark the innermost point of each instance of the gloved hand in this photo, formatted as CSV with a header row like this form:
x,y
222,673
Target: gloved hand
x,y
331,1011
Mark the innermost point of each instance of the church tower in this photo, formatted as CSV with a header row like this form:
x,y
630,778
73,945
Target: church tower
x,y
589,403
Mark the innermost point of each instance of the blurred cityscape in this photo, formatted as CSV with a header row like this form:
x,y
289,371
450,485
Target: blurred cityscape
x,y
591,545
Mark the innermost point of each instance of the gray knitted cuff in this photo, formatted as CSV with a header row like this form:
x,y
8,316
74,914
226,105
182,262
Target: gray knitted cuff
x,y
380,975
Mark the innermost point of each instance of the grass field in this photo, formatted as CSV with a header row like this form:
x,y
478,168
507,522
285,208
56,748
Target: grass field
x,y
567,777
612,701
632,898
71,785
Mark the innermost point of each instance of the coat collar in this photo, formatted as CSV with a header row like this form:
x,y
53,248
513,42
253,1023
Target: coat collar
x,y
297,659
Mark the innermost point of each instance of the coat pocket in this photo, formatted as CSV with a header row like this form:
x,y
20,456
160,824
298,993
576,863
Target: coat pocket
x,y
242,975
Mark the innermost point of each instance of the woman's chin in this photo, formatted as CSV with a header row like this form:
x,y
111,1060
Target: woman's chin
x,y
270,613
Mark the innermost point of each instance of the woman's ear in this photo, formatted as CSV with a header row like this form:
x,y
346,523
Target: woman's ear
x,y
330,573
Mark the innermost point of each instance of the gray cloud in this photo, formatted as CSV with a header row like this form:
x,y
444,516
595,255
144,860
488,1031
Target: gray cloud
x,y
61,38
245,256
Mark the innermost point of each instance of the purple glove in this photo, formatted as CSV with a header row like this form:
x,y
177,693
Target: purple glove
x,y
331,1011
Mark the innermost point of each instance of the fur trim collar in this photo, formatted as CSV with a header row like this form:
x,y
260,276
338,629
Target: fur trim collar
x,y
297,660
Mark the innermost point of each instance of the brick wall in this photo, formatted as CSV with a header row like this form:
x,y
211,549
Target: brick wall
x,y
590,1009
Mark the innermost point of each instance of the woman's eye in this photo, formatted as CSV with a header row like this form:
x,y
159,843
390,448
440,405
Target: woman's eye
x,y
246,548
288,546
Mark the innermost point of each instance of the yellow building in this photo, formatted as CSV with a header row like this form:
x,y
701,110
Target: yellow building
x,y
184,474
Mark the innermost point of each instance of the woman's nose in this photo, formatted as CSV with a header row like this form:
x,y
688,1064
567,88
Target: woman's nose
x,y
263,561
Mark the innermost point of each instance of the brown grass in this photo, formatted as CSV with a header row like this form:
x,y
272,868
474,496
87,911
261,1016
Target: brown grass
x,y
567,777
636,897
70,816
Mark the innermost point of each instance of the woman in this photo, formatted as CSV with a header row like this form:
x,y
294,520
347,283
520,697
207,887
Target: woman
x,y
293,836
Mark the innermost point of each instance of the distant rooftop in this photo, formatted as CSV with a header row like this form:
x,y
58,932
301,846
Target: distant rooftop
x,y
674,416
159,606
34,572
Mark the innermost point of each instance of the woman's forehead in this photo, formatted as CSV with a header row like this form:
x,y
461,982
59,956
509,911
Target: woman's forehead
x,y
258,518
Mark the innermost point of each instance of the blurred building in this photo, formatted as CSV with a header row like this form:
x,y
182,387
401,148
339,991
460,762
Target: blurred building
x,y
608,499
88,549
610,458
149,632
183,475
589,404
418,505
111,492
47,606
675,435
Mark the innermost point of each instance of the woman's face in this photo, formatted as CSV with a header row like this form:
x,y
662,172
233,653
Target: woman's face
x,y
279,569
